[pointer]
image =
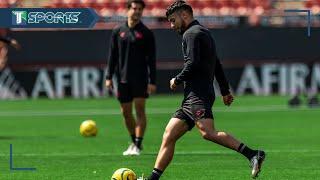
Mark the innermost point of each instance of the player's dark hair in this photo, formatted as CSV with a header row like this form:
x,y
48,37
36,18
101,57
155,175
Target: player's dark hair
x,y
178,6
129,3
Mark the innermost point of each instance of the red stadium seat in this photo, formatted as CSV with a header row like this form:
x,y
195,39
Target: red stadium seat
x,y
155,8
208,8
4,4
158,7
242,7
56,4
71,3
309,4
100,4
120,7
87,3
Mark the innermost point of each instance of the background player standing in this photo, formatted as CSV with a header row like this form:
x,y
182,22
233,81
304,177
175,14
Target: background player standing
x,y
6,41
132,61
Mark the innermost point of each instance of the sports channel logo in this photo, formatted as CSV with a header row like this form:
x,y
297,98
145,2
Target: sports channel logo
x,y
19,17
48,18
22,17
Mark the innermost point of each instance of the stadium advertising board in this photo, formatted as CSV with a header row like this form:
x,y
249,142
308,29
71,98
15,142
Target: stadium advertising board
x,y
85,82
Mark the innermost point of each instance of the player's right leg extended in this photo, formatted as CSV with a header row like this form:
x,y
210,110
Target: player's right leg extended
x,y
208,132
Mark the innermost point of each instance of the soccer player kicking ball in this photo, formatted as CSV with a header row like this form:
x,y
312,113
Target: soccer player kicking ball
x,y
201,65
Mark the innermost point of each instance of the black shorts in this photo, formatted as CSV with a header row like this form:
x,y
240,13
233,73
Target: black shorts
x,y
127,91
194,108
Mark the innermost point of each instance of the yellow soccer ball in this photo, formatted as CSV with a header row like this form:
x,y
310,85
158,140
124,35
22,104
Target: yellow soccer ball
x,y
124,174
88,128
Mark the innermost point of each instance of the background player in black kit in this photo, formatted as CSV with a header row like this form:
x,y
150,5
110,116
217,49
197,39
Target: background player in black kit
x,y
132,61
6,41
201,65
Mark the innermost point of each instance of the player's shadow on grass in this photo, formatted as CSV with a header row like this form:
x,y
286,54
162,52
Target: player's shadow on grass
x,y
27,137
195,154
7,137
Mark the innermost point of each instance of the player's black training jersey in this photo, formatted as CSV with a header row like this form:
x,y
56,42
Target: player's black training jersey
x,y
201,63
132,55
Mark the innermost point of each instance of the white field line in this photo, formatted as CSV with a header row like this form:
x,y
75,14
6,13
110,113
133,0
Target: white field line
x,y
116,111
213,152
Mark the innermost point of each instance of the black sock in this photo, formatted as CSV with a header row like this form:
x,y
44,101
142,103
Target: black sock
x,y
138,142
133,138
246,151
155,175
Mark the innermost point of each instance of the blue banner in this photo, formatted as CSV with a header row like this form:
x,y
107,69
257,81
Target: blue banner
x,y
48,17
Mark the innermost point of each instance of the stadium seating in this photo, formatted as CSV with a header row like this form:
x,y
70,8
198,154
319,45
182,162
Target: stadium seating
x,y
253,10
313,5
4,4
156,8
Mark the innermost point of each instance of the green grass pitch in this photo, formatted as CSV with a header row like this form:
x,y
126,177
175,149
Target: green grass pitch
x,y
45,135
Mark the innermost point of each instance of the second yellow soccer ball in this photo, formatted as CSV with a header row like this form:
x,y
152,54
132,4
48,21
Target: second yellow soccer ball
x,y
88,128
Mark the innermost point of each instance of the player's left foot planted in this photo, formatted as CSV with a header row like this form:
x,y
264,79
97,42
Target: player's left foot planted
x,y
135,151
256,163
142,178
128,151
